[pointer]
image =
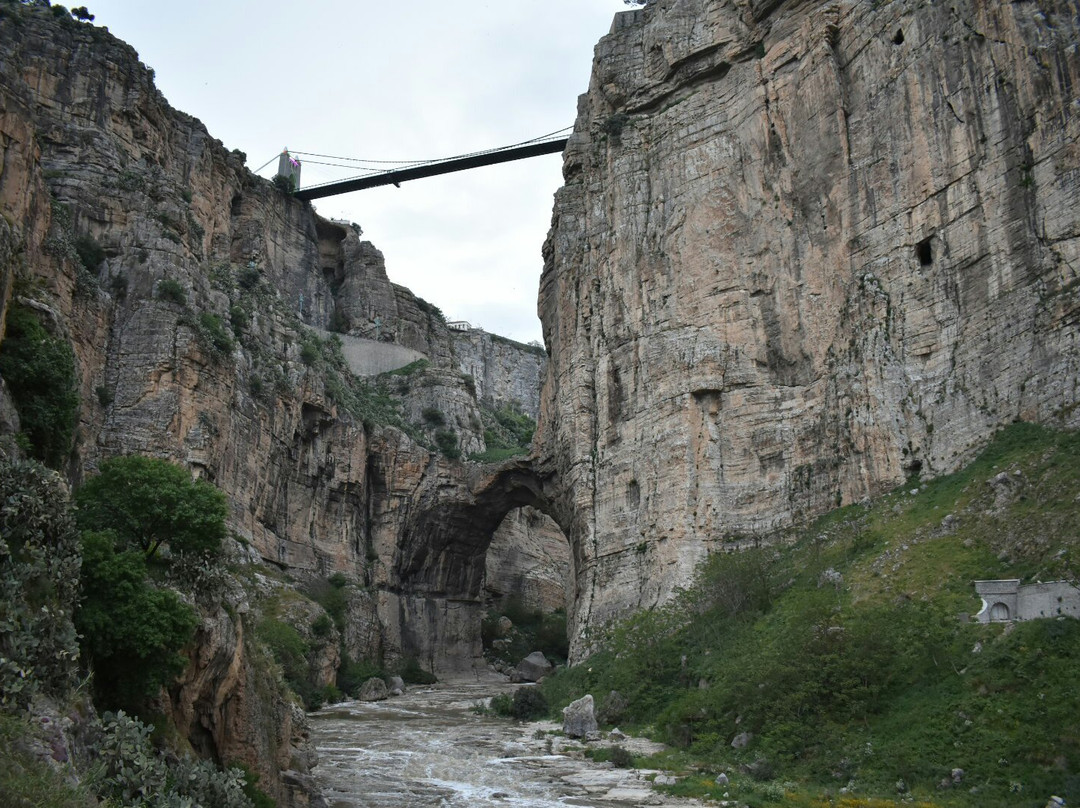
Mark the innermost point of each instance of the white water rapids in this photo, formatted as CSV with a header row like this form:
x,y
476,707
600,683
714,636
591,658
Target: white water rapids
x,y
428,748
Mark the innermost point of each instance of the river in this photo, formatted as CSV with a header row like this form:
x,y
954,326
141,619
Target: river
x,y
429,748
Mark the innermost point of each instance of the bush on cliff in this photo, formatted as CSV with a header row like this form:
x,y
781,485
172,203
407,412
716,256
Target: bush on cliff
x,y
39,370
147,502
39,579
132,632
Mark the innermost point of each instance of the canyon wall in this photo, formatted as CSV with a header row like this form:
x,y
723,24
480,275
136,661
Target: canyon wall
x,y
198,300
804,251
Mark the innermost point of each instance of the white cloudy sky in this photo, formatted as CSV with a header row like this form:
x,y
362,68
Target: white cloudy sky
x,y
411,79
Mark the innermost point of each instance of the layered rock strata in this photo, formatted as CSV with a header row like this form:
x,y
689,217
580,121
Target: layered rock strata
x,y
200,335
804,251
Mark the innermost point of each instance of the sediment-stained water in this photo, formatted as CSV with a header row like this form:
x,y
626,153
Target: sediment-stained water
x,y
428,748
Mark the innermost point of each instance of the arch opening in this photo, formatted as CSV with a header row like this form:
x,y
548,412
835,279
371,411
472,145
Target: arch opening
x,y
528,590
441,567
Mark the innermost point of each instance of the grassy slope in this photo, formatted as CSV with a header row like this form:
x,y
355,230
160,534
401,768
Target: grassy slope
x,y
867,678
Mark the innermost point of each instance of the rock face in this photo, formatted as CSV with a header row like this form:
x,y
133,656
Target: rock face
x,y
201,336
505,372
529,559
803,251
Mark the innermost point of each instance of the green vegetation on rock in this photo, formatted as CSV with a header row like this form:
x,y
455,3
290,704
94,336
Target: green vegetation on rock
x,y
533,630
39,581
147,502
39,370
839,659
508,432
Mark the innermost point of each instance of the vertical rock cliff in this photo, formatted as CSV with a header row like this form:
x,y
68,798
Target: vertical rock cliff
x,y
804,251
199,301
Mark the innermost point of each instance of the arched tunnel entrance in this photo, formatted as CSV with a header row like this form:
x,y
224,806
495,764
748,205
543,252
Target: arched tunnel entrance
x,y
438,604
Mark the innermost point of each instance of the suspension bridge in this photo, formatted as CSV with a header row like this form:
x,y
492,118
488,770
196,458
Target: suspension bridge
x,y
394,172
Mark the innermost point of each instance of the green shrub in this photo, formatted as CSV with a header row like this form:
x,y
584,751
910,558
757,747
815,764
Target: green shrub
x,y
433,416
39,574
134,773
148,502
213,335
239,319
352,674
322,626
291,652
447,441
332,594
310,351
90,252
618,756
411,673
132,633
248,278
529,704
287,185
503,704
40,373
170,290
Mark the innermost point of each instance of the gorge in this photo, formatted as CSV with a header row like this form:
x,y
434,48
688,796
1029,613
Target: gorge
x,y
803,252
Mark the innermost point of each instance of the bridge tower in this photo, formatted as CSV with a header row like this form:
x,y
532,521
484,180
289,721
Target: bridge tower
x,y
289,168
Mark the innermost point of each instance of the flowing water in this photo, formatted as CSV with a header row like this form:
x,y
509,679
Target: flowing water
x,y
429,748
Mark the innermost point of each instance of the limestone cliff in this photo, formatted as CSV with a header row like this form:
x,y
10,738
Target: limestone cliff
x,y
804,250
201,334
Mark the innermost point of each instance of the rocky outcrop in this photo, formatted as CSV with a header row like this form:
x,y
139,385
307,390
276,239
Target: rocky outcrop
x,y
804,250
505,373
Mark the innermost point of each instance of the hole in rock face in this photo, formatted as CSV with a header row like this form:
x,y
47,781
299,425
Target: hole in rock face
x,y
899,38
924,252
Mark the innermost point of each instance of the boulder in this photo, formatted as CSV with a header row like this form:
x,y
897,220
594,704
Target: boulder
x,y
741,740
532,668
579,718
503,627
374,689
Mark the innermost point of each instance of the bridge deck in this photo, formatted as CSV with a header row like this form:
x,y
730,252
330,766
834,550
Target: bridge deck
x,y
398,176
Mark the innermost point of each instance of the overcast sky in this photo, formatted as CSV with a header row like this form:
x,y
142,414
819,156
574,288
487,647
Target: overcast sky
x,y
412,79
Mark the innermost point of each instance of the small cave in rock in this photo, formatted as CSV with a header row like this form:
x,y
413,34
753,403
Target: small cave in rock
x,y
527,590
924,252
898,39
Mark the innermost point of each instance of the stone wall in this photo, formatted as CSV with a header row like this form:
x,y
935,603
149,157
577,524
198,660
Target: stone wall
x,y
1006,599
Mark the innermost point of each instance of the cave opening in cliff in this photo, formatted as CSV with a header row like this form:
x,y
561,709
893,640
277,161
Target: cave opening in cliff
x,y
924,252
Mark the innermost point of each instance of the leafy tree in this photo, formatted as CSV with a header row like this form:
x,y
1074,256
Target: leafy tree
x,y
39,574
148,502
132,633
81,13
40,372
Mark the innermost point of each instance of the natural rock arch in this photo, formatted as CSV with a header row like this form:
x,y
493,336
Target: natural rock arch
x,y
436,607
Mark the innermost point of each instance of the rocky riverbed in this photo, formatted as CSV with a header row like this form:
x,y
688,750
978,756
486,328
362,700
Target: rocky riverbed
x,y
429,747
